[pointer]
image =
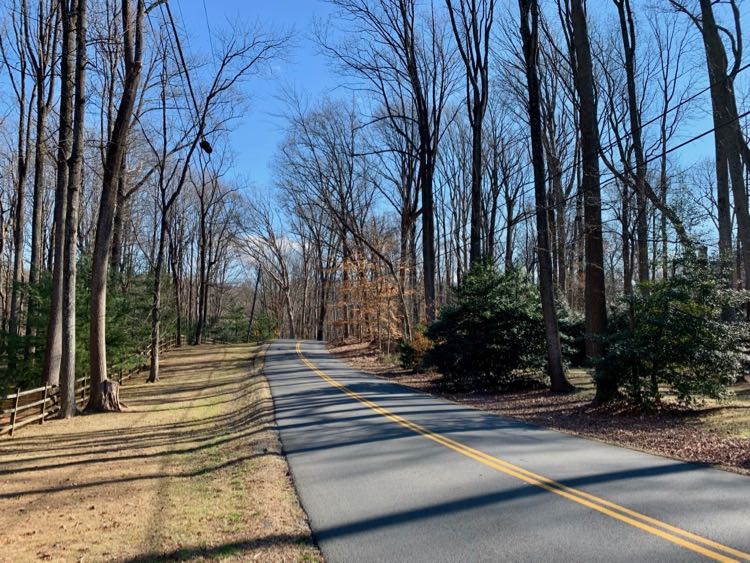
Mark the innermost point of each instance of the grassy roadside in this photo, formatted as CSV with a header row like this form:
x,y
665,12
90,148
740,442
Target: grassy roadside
x,y
193,471
712,433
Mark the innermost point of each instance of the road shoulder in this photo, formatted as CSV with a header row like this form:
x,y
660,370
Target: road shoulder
x,y
715,436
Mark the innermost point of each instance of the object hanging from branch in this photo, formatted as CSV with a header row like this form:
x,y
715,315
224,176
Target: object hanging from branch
x,y
206,146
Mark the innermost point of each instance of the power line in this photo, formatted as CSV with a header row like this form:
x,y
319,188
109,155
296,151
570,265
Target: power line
x,y
208,27
183,67
613,179
628,134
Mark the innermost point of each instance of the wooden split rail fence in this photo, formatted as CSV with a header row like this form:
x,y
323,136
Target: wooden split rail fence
x,y
37,405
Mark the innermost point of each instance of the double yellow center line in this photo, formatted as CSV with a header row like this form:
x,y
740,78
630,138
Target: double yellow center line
x,y
683,538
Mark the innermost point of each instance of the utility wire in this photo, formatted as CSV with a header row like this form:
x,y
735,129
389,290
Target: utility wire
x,y
208,27
628,134
183,68
613,179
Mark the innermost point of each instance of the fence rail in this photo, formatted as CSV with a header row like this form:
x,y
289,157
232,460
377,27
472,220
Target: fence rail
x,y
37,405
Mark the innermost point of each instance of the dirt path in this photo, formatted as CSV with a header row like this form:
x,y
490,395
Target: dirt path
x,y
192,471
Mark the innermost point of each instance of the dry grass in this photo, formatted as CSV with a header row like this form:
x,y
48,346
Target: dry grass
x,y
712,433
193,471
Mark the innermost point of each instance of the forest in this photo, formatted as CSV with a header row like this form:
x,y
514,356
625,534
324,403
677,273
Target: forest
x,y
374,280
118,225
496,188
506,189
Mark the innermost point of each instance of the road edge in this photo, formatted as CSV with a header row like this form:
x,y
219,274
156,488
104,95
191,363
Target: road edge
x,y
261,370
705,465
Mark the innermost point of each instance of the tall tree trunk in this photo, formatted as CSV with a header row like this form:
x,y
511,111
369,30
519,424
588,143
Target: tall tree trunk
x,y
290,314
191,286
627,31
117,229
627,262
177,283
153,375
509,234
471,21
663,188
200,317
530,35
495,192
53,350
728,138
37,216
101,395
250,322
405,266
594,292
428,240
19,214
475,233
558,211
75,179
416,316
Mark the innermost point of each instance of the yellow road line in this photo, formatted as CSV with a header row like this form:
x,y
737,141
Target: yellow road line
x,y
688,540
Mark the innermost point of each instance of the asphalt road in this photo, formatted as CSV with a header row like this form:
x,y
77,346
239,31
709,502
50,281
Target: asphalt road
x,y
390,474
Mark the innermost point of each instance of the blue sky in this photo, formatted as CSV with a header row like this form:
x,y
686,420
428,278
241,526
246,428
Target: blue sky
x,y
258,133
306,71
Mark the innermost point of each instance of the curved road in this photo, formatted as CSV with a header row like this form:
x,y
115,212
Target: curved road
x,y
386,473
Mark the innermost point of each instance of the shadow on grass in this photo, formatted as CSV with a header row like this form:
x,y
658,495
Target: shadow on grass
x,y
165,441
224,549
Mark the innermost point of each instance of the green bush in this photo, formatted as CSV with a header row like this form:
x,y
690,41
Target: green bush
x,y
572,335
128,327
492,329
670,334
411,353
265,327
231,327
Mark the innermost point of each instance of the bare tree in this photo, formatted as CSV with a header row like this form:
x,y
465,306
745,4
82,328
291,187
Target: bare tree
x,y
730,145
627,30
53,350
471,21
104,393
595,301
529,10
243,54
673,47
42,57
266,243
16,61
411,54
70,251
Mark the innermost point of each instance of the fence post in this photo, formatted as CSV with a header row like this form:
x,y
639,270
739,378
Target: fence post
x,y
14,413
44,403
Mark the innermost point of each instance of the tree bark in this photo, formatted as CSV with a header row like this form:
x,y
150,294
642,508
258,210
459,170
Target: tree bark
x,y
175,262
153,375
75,179
133,53
627,31
727,135
594,292
471,22
53,350
43,62
530,36
19,213
117,229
